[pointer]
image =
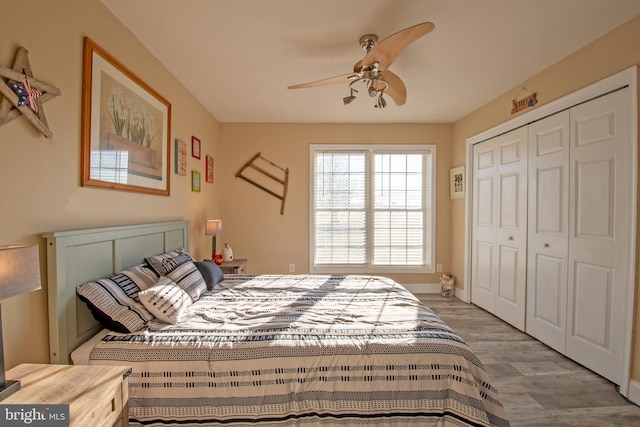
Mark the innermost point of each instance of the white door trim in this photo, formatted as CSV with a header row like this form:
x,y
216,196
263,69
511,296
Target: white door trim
x,y
626,77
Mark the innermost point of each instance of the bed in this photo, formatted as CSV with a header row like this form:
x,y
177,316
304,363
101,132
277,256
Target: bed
x,y
285,350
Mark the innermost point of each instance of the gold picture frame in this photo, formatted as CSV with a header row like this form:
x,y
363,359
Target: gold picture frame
x,y
457,184
195,181
209,175
126,127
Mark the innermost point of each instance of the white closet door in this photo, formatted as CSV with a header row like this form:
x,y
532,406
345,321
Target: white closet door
x,y
499,230
547,253
599,239
485,170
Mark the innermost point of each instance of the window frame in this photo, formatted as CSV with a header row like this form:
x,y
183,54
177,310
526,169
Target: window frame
x,y
429,198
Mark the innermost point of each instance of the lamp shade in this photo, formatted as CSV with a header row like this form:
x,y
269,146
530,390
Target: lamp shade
x,y
19,270
212,227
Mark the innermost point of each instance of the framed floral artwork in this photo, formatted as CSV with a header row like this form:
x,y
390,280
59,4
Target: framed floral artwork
x,y
209,175
125,128
195,181
195,147
181,157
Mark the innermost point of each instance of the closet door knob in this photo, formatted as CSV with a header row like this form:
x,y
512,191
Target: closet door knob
x,y
546,245
510,237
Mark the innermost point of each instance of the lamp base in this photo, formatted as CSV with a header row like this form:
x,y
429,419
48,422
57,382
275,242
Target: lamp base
x,y
9,388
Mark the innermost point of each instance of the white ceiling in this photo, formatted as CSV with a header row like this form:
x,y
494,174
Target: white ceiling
x,y
238,56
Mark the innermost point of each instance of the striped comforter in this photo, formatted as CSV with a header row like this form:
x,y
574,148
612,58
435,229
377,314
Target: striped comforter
x,y
304,350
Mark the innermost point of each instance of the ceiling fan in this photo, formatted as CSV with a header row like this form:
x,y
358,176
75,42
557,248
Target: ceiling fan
x,y
373,70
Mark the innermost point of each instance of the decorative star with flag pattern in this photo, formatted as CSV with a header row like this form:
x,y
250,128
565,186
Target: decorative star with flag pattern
x,y
32,94
23,95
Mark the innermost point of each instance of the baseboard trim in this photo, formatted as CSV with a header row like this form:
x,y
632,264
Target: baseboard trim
x,y
634,391
423,288
434,288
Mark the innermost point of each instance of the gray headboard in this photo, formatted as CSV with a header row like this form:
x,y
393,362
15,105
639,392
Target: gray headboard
x,y
78,256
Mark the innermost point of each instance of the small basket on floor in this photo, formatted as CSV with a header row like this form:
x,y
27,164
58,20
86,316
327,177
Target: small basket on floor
x,y
447,283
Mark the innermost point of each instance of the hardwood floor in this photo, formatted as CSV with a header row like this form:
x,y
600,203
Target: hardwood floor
x,y
537,385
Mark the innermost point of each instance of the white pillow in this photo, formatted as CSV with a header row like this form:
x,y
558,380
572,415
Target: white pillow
x,y
165,300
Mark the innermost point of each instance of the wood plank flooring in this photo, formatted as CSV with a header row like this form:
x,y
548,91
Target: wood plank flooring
x,y
537,385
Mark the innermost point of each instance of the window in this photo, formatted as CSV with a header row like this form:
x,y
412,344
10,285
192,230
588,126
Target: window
x,y
372,208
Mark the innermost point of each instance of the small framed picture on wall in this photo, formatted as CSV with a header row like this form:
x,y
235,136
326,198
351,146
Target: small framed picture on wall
x,y
209,175
195,181
457,183
181,157
195,147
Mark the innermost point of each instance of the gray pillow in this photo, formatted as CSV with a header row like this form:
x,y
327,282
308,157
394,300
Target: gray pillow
x,y
211,273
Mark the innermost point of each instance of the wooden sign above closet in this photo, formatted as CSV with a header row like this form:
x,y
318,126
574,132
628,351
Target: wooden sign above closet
x,y
526,102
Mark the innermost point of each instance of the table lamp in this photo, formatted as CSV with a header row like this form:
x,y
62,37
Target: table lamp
x,y
211,228
19,274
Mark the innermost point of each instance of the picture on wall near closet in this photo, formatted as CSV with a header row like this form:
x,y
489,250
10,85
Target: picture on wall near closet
x,y
456,177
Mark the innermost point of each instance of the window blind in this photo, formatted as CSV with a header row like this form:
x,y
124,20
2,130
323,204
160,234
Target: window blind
x,y
372,207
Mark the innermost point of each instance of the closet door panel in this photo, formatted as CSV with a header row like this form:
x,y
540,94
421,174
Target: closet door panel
x,y
512,227
508,275
595,198
551,200
509,214
599,242
483,263
484,270
510,293
548,230
592,302
551,280
499,226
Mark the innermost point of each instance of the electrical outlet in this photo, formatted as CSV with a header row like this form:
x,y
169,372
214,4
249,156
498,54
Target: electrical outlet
x,y
439,268
292,268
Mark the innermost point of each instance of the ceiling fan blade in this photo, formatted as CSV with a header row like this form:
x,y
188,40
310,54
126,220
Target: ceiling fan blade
x,y
387,51
396,90
325,82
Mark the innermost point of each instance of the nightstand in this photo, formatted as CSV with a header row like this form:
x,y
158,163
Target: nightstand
x,y
237,266
96,395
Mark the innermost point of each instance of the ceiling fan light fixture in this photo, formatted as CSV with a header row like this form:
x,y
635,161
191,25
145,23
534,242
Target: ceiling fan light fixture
x,y
371,89
348,99
373,71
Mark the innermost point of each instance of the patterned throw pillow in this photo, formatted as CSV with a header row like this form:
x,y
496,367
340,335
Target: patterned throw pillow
x,y
166,301
165,263
188,277
114,302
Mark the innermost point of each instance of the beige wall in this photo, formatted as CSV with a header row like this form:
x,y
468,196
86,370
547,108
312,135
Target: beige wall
x,y
253,226
614,52
40,178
